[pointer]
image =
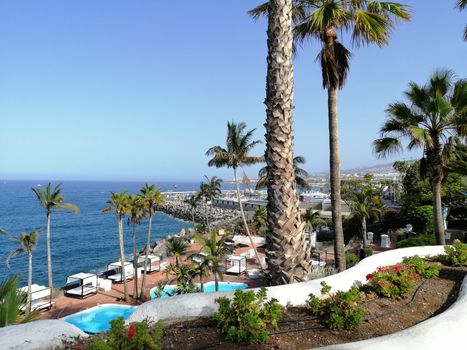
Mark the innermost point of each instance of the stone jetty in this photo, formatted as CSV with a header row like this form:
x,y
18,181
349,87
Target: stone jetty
x,y
217,217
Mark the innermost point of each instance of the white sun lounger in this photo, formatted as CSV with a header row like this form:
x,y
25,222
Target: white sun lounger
x,y
41,297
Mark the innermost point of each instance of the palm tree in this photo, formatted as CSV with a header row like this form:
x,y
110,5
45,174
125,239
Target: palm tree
x,y
176,246
27,243
201,268
120,204
52,200
209,191
193,201
137,213
239,144
14,304
461,5
151,198
300,175
184,275
312,219
364,201
434,120
215,251
288,253
369,22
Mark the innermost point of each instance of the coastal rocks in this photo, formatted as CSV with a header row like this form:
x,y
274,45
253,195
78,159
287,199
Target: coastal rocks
x,y
40,335
176,207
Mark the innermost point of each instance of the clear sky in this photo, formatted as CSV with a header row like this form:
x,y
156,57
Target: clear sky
x,y
139,90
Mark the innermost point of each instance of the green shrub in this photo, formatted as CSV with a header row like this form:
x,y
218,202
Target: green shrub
x,y
421,217
393,282
98,344
136,336
368,251
339,310
456,254
246,317
421,267
351,259
417,241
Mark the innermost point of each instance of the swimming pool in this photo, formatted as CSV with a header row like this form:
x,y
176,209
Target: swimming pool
x,y
209,287
96,319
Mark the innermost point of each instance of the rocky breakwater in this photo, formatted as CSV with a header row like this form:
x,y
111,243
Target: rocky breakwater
x,y
217,217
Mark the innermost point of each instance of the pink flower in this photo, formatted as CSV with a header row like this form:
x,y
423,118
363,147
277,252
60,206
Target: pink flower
x,y
397,268
369,276
131,332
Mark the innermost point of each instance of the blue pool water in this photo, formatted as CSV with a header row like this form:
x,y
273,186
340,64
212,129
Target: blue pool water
x,y
96,319
208,288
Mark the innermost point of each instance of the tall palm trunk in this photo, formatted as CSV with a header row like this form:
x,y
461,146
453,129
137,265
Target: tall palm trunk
x,y
365,242
135,264
122,257
437,213
201,282
216,282
29,283
49,252
435,168
288,252
334,165
148,243
244,219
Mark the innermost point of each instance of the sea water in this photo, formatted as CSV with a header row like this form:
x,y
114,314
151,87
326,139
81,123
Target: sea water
x,y
80,243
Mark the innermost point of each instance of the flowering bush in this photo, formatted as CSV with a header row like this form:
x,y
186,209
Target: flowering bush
x,y
393,282
136,336
339,310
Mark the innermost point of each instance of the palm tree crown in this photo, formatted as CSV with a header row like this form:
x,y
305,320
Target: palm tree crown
x,y
118,203
239,144
27,244
53,200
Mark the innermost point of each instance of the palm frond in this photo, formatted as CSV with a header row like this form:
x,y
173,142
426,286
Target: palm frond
x,y
385,146
370,27
259,11
68,207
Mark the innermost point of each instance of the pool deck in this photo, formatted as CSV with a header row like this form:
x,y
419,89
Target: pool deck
x,y
65,306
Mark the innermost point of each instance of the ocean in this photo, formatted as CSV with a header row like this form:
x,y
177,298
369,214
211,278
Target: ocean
x,y
80,243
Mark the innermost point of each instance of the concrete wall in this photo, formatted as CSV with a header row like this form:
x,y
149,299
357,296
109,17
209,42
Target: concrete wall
x,y
190,305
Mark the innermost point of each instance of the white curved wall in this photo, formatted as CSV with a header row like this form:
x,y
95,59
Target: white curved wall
x,y
192,305
38,335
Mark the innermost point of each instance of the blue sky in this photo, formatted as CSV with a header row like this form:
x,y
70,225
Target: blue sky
x,y
139,90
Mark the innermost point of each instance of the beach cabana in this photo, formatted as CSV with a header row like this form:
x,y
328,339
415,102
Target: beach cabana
x,y
41,297
116,273
237,264
81,285
153,263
